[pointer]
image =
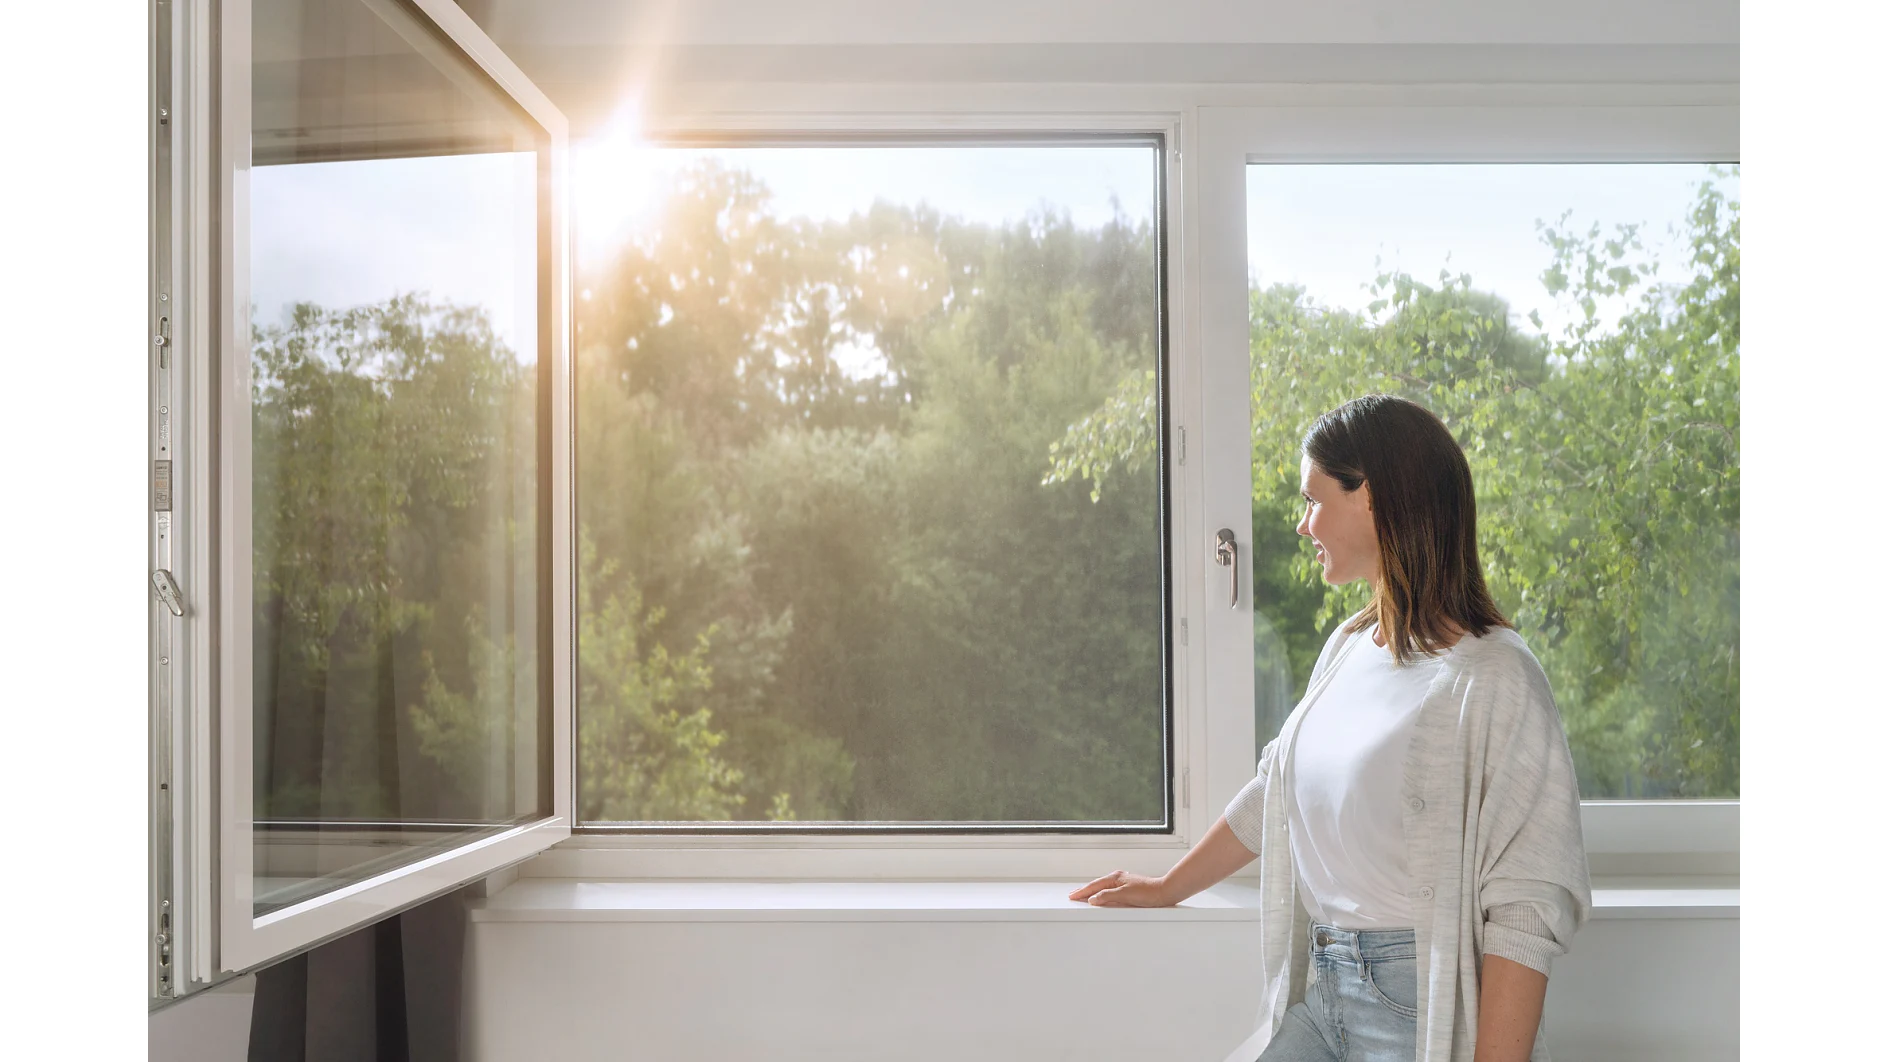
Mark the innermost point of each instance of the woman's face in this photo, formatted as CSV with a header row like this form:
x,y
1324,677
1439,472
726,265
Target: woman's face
x,y
1339,523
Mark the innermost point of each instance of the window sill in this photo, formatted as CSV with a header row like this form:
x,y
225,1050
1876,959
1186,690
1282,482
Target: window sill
x,y
570,900
565,900
1690,896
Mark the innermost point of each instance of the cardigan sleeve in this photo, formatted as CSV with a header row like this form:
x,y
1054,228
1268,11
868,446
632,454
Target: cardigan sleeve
x,y
1528,932
1535,891
1246,814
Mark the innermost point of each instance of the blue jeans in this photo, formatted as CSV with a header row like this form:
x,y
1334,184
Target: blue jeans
x,y
1362,1004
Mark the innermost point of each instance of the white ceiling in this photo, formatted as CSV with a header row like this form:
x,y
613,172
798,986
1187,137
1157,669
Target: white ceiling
x,y
583,52
934,22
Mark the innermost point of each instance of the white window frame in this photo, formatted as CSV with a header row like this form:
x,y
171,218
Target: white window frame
x,y
217,932
796,852
1212,135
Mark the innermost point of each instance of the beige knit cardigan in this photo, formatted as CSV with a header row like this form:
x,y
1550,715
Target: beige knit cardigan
x,y
1491,816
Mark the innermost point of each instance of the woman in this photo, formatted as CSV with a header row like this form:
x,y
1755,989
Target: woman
x,y
1417,819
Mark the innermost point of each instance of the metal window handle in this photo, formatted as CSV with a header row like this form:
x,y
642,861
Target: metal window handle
x,y
167,591
1227,554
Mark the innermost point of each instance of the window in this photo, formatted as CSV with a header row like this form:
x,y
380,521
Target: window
x,y
362,643
1577,328
400,609
839,561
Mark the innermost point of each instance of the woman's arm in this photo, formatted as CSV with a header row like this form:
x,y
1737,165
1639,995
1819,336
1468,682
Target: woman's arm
x,y
1512,997
1208,863
1534,890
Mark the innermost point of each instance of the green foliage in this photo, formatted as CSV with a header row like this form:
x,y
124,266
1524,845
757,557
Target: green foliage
x,y
394,485
646,747
1021,646
933,592
468,735
892,589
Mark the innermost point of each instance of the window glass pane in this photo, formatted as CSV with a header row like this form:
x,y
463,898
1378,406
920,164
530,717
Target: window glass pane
x,y
395,285
838,564
1576,326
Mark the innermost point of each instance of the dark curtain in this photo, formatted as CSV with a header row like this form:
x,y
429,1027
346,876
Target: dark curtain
x,y
388,992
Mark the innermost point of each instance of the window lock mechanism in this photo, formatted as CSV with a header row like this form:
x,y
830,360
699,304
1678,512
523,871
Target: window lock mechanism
x,y
167,591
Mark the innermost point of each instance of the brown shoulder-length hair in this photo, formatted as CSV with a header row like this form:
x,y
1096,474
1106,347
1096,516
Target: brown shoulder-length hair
x,y
1423,506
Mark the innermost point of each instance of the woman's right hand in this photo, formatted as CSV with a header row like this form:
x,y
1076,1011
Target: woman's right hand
x,y
1122,889
1217,854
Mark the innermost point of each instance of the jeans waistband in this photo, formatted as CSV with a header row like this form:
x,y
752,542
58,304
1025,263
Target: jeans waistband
x,y
1366,944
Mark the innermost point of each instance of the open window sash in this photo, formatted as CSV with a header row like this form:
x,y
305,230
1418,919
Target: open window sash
x,y
393,588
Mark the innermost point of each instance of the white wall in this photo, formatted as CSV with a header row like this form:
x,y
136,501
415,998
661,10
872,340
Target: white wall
x,y
1632,991
1647,990
712,985
830,991
208,1026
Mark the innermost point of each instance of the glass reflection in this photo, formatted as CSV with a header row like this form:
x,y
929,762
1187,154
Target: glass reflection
x,y
396,305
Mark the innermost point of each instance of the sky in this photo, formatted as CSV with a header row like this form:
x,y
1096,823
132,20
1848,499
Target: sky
x,y
345,234
1325,226
618,184
349,233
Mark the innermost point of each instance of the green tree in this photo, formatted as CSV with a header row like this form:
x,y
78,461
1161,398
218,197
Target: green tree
x,y
892,585
394,485
646,754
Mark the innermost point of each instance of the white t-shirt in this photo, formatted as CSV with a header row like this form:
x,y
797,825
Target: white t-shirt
x,y
1346,811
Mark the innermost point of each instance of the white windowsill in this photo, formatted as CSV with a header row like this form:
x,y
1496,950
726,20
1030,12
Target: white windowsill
x,y
568,900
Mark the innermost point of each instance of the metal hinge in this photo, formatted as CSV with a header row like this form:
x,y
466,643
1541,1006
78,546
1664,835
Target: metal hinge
x,y
1186,788
1183,630
165,985
1183,446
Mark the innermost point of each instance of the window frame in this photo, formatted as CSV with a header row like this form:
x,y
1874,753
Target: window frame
x,y
1212,134
811,850
210,883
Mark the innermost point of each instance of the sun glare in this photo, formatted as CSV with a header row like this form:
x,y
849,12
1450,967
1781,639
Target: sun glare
x,y
616,184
